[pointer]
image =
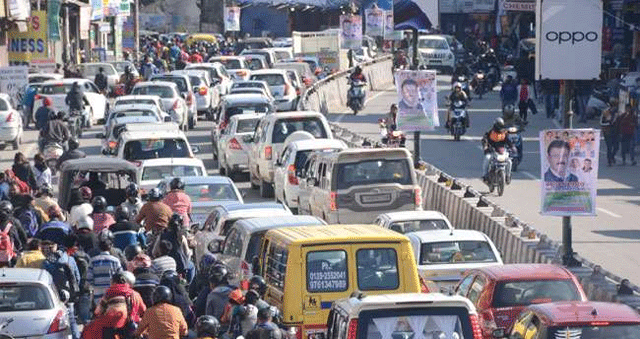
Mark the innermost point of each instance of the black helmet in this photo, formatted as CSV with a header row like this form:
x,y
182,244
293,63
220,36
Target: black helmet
x,y
162,294
258,283
176,184
73,144
252,297
154,194
99,204
207,326
6,209
498,123
176,221
131,251
105,236
218,274
358,69
122,213
131,190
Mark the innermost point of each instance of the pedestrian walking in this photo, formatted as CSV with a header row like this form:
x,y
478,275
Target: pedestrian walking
x,y
627,128
610,132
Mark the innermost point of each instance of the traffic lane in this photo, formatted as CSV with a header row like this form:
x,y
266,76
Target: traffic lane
x,y
29,147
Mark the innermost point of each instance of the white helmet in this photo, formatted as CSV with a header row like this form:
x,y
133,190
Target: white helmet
x,y
85,222
129,277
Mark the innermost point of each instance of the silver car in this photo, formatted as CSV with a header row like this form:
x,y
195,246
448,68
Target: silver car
x,y
168,92
233,151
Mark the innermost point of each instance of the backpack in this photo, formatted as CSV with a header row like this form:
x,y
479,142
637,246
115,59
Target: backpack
x,y
82,261
7,252
62,274
29,220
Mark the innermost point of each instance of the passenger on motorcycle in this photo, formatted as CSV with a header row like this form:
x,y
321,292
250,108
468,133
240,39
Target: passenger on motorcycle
x,y
75,98
56,131
357,75
495,138
178,200
43,113
127,79
460,70
72,153
457,95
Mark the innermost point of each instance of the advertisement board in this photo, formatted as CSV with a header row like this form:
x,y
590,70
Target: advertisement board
x,y
232,19
96,10
374,21
32,44
417,100
351,31
568,39
569,171
13,80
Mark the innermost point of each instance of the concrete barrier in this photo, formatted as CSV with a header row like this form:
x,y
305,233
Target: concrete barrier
x,y
465,207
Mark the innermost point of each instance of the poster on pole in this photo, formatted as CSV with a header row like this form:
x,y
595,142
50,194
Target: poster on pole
x,y
374,25
351,26
13,80
53,13
569,171
417,100
232,19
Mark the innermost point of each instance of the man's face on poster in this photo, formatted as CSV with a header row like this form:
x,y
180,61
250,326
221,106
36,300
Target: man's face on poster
x,y
389,21
231,15
558,158
410,94
374,18
346,28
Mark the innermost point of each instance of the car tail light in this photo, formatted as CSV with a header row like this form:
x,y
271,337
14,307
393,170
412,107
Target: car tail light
x,y
113,144
203,91
175,105
333,205
475,326
189,98
9,117
352,332
293,180
234,144
59,323
268,152
417,195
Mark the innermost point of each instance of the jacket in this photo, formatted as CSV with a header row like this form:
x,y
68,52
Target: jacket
x,y
163,321
56,131
529,92
217,300
24,172
42,117
75,100
123,290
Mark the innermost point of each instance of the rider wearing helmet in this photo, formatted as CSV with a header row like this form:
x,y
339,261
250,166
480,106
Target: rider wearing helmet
x,y
178,201
154,213
101,219
207,327
126,232
133,202
495,138
357,75
72,153
162,320
220,290
457,95
258,284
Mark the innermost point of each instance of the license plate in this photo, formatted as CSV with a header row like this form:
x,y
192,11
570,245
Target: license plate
x,y
375,198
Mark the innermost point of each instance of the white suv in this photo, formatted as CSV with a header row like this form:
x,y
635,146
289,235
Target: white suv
x,y
434,52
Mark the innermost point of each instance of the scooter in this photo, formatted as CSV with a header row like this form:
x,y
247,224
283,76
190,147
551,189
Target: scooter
x,y
356,95
515,137
458,119
391,138
52,151
479,83
498,176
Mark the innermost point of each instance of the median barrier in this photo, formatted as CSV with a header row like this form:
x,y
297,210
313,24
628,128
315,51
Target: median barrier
x,y
467,208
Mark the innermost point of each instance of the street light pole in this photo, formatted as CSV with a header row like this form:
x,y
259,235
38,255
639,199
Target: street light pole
x,y
567,257
414,66
136,29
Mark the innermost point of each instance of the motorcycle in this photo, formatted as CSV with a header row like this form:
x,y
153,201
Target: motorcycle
x,y
74,121
458,119
498,176
52,151
391,138
492,76
464,82
479,83
355,95
515,137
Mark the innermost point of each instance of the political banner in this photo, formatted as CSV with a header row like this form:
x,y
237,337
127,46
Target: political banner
x,y
374,25
85,22
388,25
53,10
13,80
232,19
96,10
569,171
351,31
417,100
32,44
128,41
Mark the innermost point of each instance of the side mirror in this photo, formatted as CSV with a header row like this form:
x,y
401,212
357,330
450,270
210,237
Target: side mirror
x,y
247,138
167,119
195,149
215,246
64,296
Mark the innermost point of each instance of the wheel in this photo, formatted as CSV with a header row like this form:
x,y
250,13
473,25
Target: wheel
x,y
266,189
501,183
89,121
16,143
456,137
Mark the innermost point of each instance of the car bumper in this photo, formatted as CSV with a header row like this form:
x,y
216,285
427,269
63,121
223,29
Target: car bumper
x,y
291,195
285,104
9,133
347,216
439,63
58,335
237,160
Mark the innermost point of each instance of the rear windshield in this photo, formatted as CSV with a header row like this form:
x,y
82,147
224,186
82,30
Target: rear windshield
x,y
156,148
56,89
327,271
180,82
595,332
414,323
285,127
212,71
169,171
15,298
161,91
376,171
271,79
133,113
246,125
419,225
92,70
282,55
249,108
247,84
195,81
377,269
229,63
3,105
210,192
526,292
254,64
254,245
460,252
136,101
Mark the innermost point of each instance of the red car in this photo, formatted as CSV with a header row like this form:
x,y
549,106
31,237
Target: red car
x,y
577,319
500,293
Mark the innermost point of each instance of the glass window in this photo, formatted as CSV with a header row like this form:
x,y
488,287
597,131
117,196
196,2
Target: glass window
x,y
254,63
233,244
14,298
56,89
276,266
376,171
161,91
463,288
253,246
476,290
4,106
433,43
195,80
449,252
229,63
526,292
419,225
285,127
179,81
246,125
156,148
415,326
271,79
327,271
136,101
596,332
377,269
210,192
169,171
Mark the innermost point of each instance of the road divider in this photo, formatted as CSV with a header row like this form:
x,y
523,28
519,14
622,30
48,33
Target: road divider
x,y
465,207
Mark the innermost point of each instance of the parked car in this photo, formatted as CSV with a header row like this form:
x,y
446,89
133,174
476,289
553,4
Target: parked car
x,y
443,255
236,66
414,221
172,101
233,150
186,91
32,307
280,85
500,293
96,105
268,140
152,171
290,163
11,127
90,69
577,319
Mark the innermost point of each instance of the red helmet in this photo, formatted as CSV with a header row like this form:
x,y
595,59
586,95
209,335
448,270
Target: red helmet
x,y
47,101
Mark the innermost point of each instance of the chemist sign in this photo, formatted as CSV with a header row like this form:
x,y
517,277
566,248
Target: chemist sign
x,y
32,44
327,271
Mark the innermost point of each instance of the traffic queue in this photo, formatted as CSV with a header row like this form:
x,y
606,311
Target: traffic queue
x,y
142,241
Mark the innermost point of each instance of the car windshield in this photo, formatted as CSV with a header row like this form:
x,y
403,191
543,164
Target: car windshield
x,y
31,297
4,106
247,125
156,148
92,70
229,63
161,91
413,323
56,89
271,79
285,127
132,113
247,85
212,71
419,225
179,81
170,171
210,192
254,64
432,43
136,101
375,171
631,331
121,65
527,292
456,252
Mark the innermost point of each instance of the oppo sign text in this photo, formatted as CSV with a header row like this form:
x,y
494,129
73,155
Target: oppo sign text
x,y
571,37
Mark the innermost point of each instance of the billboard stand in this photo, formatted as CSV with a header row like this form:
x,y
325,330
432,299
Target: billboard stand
x,y
416,135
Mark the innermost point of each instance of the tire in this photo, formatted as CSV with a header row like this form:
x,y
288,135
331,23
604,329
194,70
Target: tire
x,y
16,143
89,123
501,182
266,189
456,137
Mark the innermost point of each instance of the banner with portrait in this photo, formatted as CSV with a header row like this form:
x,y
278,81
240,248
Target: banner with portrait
x,y
351,31
569,171
374,21
417,100
232,19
